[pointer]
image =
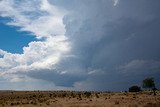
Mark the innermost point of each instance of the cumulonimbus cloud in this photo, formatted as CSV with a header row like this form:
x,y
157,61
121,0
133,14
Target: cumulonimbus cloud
x,y
98,45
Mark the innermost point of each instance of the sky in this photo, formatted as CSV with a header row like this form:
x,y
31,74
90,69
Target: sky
x,y
17,39
99,45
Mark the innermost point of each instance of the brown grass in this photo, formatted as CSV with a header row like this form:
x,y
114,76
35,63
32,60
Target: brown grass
x,y
77,99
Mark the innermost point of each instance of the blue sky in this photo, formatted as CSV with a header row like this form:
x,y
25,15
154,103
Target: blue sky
x,y
13,40
80,45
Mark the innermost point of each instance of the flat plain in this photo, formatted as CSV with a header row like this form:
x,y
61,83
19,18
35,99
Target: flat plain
x,y
78,99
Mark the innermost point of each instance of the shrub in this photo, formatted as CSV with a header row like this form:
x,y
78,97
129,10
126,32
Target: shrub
x,y
87,94
134,89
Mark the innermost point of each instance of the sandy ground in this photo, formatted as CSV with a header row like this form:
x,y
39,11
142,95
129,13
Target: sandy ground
x,y
77,99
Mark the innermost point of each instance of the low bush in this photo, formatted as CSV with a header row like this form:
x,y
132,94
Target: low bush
x,y
87,94
134,89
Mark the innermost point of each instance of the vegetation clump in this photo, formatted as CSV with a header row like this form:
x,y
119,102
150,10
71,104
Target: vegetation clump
x,y
149,83
134,89
87,94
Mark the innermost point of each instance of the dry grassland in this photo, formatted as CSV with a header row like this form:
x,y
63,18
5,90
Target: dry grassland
x,y
77,99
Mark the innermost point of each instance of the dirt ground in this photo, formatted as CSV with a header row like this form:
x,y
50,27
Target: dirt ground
x,y
78,99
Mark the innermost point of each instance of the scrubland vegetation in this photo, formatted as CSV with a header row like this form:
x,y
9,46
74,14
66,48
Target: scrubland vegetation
x,y
78,99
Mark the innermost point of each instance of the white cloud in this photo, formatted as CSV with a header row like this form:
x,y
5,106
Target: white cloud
x,y
2,52
43,20
38,17
38,55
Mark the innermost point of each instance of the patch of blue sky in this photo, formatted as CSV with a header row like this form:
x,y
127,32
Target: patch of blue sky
x,y
12,40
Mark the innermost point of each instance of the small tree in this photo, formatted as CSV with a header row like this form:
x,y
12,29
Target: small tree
x,y
148,83
134,89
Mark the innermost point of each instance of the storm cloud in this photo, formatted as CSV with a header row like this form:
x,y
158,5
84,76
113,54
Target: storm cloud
x,y
99,44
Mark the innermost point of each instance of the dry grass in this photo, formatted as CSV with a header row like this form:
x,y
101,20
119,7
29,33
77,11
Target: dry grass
x,y
77,99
